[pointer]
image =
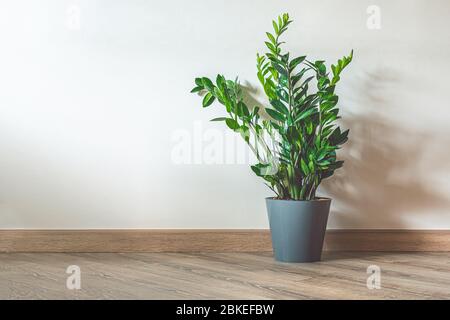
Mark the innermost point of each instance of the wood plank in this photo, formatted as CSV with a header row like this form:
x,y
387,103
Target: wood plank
x,y
212,240
341,275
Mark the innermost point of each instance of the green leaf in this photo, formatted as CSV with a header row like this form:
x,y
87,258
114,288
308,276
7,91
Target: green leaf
x,y
219,119
283,95
199,82
243,109
341,64
279,106
275,26
302,93
232,124
271,37
335,79
320,67
323,83
334,69
255,111
293,134
304,114
197,89
208,84
208,100
311,166
295,62
304,167
264,169
275,114
218,94
309,127
220,81
275,125
279,68
285,58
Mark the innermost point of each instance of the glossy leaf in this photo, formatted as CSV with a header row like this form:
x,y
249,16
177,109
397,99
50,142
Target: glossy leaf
x,y
295,62
207,83
208,100
275,114
280,107
232,124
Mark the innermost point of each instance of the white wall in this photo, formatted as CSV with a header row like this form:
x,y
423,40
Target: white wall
x,y
90,116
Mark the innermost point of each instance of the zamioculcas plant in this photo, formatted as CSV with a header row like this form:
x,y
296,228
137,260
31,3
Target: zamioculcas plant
x,y
295,138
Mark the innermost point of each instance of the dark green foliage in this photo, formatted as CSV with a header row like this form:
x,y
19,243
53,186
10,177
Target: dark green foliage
x,y
296,145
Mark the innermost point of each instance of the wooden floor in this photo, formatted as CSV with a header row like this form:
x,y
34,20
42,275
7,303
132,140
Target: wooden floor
x,y
223,276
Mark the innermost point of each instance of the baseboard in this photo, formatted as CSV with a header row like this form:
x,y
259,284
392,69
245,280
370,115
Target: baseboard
x,y
208,240
387,240
132,240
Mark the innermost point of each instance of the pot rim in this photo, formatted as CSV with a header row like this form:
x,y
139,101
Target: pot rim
x,y
317,199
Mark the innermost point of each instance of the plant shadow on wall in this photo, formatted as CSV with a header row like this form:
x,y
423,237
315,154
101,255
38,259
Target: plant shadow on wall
x,y
385,178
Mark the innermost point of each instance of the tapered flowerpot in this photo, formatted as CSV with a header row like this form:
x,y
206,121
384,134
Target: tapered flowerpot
x,y
298,228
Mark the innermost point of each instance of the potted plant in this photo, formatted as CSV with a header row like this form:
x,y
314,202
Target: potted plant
x,y
294,140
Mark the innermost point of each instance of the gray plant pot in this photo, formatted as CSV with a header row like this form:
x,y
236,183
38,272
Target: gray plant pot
x,y
298,228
